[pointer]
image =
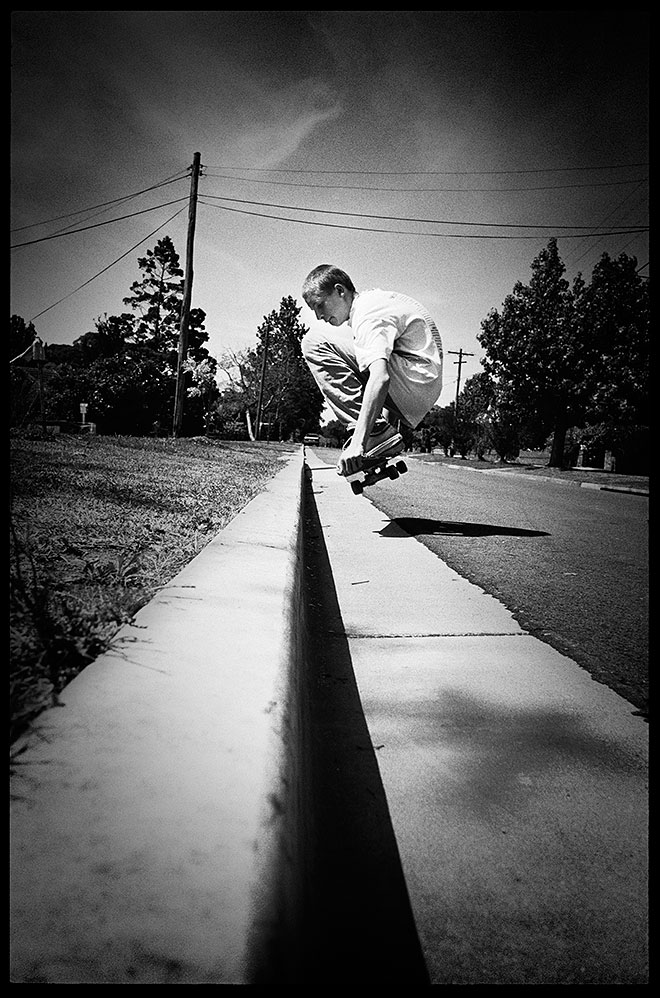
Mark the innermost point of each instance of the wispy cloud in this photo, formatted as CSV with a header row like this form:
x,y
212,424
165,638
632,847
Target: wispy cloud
x,y
280,122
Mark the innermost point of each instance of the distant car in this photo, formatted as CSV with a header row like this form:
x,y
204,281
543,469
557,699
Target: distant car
x,y
312,439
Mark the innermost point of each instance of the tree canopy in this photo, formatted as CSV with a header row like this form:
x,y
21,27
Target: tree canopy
x,y
561,356
125,369
270,387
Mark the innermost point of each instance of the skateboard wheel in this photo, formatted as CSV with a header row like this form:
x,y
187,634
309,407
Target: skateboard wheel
x,y
392,473
357,488
402,467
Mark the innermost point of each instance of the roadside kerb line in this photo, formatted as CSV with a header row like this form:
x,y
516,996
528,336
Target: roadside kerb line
x,y
157,815
547,478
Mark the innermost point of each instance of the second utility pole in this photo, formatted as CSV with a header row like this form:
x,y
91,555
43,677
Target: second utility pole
x,y
187,296
460,363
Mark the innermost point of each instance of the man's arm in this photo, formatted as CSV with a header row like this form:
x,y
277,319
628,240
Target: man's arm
x,y
375,393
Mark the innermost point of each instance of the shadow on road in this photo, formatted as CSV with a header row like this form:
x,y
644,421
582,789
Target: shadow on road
x,y
415,525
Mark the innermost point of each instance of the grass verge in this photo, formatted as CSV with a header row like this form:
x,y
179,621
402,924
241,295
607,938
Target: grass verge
x,y
97,526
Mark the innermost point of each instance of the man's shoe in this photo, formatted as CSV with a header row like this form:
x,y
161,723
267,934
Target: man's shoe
x,y
388,443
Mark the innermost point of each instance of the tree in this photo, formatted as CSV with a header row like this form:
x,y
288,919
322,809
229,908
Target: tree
x,y
67,385
616,306
26,372
335,433
129,394
112,337
157,297
291,401
539,354
22,335
440,424
274,379
475,402
237,403
125,369
203,393
157,300
562,357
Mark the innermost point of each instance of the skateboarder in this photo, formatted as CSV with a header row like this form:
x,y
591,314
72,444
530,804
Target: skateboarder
x,y
382,370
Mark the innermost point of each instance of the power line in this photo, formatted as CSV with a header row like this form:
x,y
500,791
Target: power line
x,y
430,190
43,311
398,218
103,204
435,173
616,208
96,225
403,232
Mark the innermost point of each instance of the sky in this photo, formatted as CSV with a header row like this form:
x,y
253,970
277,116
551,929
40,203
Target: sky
x,y
434,153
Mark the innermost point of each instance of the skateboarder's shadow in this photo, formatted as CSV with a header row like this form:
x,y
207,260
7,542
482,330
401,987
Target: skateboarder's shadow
x,y
416,525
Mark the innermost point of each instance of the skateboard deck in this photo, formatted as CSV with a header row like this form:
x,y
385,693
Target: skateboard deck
x,y
377,471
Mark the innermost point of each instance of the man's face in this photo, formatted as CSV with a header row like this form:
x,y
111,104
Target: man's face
x,y
335,307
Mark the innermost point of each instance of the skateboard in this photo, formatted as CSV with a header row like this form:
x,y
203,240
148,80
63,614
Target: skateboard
x,y
377,471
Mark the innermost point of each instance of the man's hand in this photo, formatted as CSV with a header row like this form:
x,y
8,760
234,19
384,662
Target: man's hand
x,y
351,459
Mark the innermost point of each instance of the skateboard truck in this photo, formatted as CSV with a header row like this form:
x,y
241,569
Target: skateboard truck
x,y
376,471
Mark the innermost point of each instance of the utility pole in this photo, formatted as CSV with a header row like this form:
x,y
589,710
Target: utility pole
x,y
257,431
39,354
187,297
461,354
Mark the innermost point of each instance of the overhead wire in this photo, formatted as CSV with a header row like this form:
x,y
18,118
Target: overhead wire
x,y
446,235
126,197
104,209
429,190
123,199
84,228
153,233
594,233
435,173
574,260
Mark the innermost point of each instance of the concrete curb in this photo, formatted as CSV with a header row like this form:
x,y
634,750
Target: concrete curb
x,y
549,478
614,488
516,785
157,823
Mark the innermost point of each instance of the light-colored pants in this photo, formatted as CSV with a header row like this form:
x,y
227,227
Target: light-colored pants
x,y
331,359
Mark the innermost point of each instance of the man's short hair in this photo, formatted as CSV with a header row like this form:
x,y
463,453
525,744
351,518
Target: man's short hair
x,y
320,282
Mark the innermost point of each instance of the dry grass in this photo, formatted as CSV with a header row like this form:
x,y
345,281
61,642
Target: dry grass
x,y
98,524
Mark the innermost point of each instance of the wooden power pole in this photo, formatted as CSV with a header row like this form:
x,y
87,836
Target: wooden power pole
x,y
257,429
187,297
461,354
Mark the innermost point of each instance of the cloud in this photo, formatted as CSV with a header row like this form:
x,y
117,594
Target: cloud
x,y
280,122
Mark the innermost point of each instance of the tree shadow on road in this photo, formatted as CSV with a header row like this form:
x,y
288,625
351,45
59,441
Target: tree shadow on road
x,y
416,525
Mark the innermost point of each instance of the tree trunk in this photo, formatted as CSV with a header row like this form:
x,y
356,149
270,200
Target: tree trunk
x,y
558,444
249,424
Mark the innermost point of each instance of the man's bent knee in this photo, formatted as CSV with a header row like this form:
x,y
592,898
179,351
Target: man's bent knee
x,y
310,343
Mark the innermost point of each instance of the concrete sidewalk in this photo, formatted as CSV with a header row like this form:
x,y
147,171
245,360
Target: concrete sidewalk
x,y
157,814
166,817
516,785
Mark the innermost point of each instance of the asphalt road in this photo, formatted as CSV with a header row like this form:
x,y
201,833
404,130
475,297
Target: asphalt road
x,y
570,563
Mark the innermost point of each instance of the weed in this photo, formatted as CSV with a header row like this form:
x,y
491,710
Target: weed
x,y
97,526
